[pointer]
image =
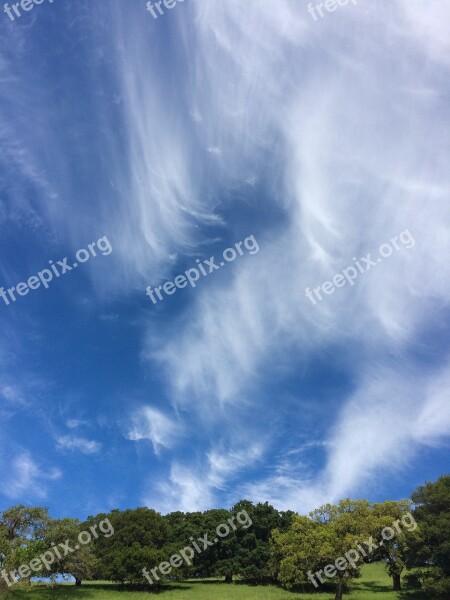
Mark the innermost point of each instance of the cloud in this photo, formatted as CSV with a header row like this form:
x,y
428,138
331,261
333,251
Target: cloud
x,y
379,432
13,395
71,443
223,465
341,151
343,195
151,424
433,422
24,478
74,423
355,165
384,425
185,490
196,487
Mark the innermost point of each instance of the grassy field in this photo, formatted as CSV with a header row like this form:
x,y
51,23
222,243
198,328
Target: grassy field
x,y
374,584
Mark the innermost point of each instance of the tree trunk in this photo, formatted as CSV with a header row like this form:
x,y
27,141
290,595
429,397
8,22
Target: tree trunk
x,y
229,578
338,595
396,580
77,581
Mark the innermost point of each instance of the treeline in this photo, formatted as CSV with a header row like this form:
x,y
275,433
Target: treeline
x,y
323,550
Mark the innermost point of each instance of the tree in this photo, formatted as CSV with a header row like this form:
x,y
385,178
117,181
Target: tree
x,y
20,523
22,530
306,547
315,542
396,516
140,541
221,558
181,527
81,563
4,550
432,549
351,521
218,559
254,550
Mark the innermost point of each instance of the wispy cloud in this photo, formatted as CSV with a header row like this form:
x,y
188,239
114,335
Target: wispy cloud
x,y
380,430
12,395
23,477
151,424
74,423
335,169
342,195
223,465
193,487
72,443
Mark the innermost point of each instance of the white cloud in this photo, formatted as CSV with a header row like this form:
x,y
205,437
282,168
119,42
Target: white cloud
x,y
67,442
74,423
151,424
195,487
185,490
384,425
358,163
433,422
223,465
23,478
379,432
13,395
347,151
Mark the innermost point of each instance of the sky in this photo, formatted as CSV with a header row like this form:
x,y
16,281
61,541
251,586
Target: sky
x,y
311,140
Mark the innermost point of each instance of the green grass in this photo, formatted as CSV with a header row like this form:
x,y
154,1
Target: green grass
x,y
374,584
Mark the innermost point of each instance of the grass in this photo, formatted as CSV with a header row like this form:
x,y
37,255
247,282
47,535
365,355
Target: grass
x,y
374,584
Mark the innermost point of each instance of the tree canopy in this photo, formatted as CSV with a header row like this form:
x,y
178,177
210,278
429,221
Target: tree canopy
x,y
254,542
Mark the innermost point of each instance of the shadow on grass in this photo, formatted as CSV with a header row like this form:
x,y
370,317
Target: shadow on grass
x,y
305,588
413,595
88,590
181,586
373,586
203,581
52,592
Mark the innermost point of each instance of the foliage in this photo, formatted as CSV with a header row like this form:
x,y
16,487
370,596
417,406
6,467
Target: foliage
x,y
314,542
22,530
396,550
432,549
139,538
81,563
280,546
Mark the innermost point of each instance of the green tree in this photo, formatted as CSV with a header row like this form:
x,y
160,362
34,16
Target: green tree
x,y
4,550
140,540
254,550
432,549
397,517
302,550
81,563
352,521
221,558
184,528
21,523
22,531
319,540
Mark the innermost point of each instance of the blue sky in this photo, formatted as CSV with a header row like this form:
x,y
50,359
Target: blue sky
x,y
176,138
